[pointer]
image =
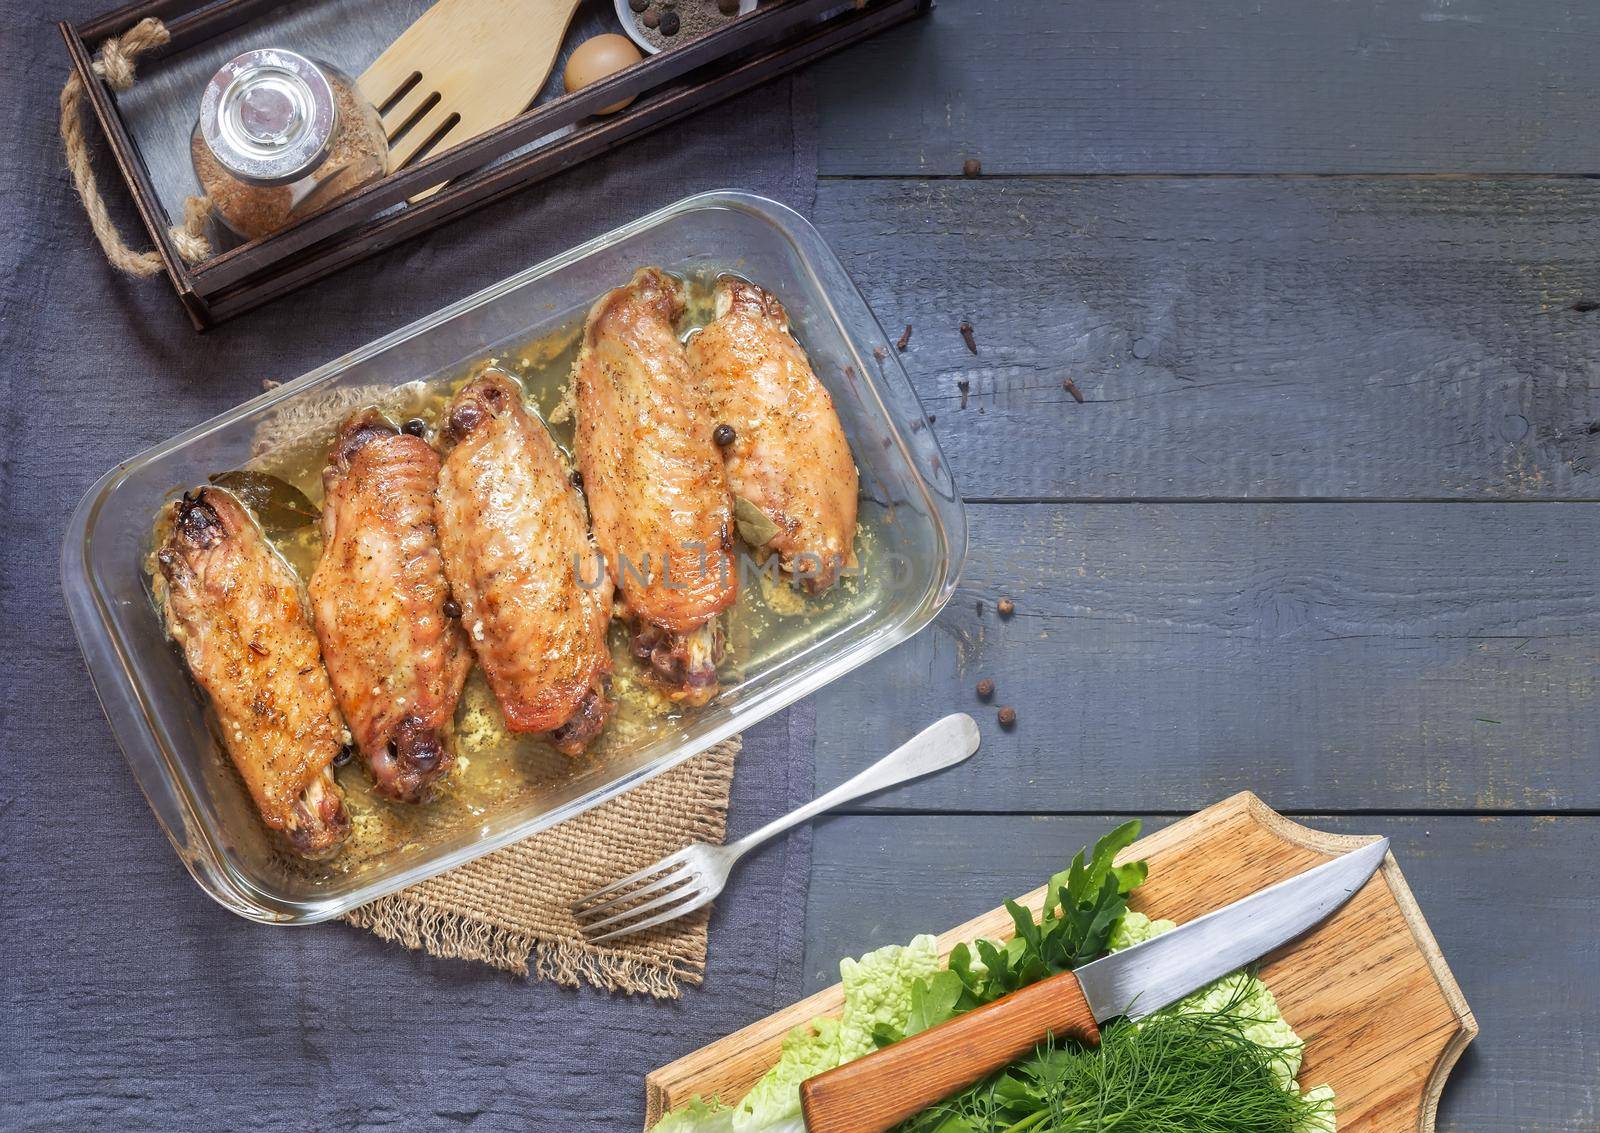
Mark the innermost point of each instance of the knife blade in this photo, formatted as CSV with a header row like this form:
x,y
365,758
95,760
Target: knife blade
x,y
1149,976
882,1089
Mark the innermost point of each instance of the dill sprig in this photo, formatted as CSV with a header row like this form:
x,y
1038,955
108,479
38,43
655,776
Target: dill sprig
x,y
1175,1072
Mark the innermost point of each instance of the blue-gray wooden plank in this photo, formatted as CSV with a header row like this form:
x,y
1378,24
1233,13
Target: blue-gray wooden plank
x,y
1250,337
1186,86
1511,901
1330,656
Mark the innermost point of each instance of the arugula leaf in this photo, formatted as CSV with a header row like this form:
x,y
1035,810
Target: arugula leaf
x,y
1131,876
934,999
998,965
1083,906
961,964
1028,932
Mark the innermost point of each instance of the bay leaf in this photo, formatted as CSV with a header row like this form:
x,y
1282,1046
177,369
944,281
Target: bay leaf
x,y
278,504
755,527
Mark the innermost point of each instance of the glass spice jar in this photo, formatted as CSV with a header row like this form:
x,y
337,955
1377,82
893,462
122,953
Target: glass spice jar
x,y
281,136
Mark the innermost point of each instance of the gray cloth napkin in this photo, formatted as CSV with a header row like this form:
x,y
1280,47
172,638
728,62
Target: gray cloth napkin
x,y
130,1001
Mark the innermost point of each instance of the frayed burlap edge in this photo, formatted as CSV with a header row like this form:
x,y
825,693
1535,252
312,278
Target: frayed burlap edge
x,y
687,803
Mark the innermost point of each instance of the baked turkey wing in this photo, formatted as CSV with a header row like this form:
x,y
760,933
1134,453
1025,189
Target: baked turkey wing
x,y
238,613
788,455
658,495
397,661
535,604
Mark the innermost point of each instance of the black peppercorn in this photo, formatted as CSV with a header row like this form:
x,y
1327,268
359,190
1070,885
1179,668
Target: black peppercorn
x,y
345,753
1006,607
452,608
985,689
638,5
1008,717
417,427
728,7
723,435
575,478
669,23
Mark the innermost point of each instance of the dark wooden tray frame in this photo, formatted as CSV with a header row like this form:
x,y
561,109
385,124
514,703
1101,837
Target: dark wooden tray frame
x,y
778,37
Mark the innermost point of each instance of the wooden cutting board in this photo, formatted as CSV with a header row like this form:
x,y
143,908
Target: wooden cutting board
x,y
1368,990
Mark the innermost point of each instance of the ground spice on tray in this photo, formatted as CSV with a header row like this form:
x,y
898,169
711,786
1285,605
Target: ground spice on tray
x,y
694,18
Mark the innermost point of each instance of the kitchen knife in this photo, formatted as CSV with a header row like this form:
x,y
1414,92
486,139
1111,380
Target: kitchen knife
x,y
882,1089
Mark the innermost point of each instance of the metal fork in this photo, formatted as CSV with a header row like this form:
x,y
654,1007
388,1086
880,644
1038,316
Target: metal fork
x,y
682,882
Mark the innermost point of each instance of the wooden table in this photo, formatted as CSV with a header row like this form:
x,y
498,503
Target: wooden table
x,y
1325,523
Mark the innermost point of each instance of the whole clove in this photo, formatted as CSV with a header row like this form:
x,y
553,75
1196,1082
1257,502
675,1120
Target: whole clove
x,y
965,387
1072,387
966,337
905,339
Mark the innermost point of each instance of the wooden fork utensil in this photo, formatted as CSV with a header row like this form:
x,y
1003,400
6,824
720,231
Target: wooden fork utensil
x,y
463,67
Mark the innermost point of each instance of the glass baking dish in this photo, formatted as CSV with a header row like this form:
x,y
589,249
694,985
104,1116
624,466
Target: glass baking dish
x,y
913,545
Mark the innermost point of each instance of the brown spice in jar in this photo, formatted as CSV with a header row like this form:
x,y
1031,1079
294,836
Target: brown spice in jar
x,y
358,154
695,18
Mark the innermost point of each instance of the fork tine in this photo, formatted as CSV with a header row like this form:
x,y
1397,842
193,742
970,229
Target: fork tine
x,y
405,101
685,892
423,129
705,898
675,879
670,862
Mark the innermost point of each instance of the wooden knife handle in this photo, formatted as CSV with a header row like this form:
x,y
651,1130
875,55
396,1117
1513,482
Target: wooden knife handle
x,y
884,1088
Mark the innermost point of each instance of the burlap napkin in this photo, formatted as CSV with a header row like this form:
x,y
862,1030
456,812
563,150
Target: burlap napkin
x,y
512,908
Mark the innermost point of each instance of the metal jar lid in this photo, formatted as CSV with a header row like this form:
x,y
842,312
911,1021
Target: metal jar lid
x,y
269,116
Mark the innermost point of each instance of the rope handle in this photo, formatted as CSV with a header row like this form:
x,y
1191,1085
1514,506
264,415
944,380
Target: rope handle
x,y
115,66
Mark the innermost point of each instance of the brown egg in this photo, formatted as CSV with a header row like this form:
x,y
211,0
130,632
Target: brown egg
x,y
595,59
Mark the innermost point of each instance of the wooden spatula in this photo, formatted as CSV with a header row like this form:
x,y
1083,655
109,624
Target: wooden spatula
x,y
464,67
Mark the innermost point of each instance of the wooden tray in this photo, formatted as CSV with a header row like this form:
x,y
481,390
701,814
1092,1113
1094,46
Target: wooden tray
x,y
776,38
1369,991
